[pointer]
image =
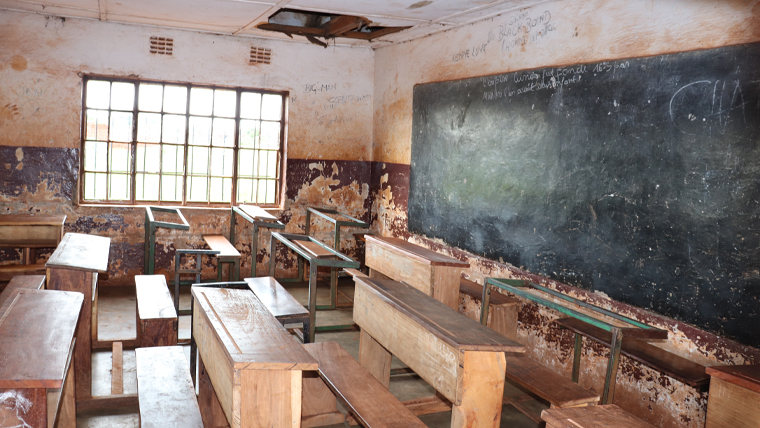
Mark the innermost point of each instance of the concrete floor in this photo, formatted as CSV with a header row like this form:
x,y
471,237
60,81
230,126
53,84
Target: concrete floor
x,y
116,321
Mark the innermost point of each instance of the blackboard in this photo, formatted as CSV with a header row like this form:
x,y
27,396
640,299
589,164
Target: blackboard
x,y
638,178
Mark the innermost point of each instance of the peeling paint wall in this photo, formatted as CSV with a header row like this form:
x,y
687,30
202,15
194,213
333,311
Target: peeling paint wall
x,y
41,62
557,33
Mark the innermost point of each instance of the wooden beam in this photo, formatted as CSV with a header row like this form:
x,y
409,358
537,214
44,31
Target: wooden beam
x,y
342,24
102,9
117,379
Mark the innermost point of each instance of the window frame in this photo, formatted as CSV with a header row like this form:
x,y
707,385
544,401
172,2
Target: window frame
x,y
279,182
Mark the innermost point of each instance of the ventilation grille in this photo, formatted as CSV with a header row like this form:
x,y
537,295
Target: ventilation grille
x,y
161,45
260,55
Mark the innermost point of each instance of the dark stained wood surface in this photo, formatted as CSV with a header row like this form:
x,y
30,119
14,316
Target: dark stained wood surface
x,y
8,272
257,213
32,220
746,376
475,290
275,297
19,282
367,398
153,298
221,244
165,390
314,249
552,387
608,416
81,252
445,323
673,365
251,336
415,251
36,335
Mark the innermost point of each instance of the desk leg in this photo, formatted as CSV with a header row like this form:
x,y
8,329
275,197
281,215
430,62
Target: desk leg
x,y
577,351
319,404
481,390
272,398
254,249
375,358
211,411
312,300
612,366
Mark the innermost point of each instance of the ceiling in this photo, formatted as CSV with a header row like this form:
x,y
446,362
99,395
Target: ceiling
x,y
240,17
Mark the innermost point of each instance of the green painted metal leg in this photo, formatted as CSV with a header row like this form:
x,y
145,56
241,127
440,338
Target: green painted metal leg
x,y
577,357
254,249
312,300
612,366
272,262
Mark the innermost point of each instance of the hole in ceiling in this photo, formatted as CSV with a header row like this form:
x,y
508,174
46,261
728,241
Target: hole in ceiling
x,y
319,27
420,4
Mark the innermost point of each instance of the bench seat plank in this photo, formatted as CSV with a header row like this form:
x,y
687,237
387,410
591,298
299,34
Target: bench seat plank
x,y
165,391
372,403
156,316
314,249
21,282
606,416
221,244
257,213
279,302
673,365
550,386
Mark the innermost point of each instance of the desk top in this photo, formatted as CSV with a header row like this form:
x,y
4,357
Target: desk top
x,y
154,299
415,251
314,249
257,213
81,252
221,244
251,336
19,282
450,326
32,220
275,297
745,376
36,335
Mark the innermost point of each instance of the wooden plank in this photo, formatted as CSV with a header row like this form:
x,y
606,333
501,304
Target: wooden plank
x,y
375,358
81,252
30,231
355,272
675,366
221,244
36,334
318,404
8,272
314,249
257,213
259,409
475,290
275,297
481,391
731,405
154,301
415,251
746,376
21,282
454,329
365,397
208,402
606,416
32,220
117,367
557,390
24,408
104,402
165,390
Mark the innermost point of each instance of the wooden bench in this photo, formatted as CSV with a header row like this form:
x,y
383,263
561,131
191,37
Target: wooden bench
x,y
280,303
21,282
367,399
675,366
609,415
156,316
36,370
434,274
165,392
227,254
734,399
502,309
30,232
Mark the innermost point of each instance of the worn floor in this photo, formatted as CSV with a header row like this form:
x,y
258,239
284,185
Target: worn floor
x,y
116,321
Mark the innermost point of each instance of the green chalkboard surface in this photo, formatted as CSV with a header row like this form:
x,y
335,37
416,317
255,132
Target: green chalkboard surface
x,y
638,178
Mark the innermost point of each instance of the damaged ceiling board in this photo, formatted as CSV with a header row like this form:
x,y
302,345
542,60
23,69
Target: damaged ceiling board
x,y
637,178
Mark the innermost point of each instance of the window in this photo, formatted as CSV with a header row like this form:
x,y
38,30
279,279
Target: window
x,y
165,143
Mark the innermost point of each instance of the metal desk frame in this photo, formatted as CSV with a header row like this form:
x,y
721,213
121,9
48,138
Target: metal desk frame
x,y
150,233
314,263
638,330
353,222
237,211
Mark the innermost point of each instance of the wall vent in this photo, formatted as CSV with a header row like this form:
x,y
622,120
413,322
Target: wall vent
x,y
260,56
161,45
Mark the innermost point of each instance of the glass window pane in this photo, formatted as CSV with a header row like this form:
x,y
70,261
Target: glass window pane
x,y
271,107
95,156
123,96
197,189
249,133
121,158
224,132
149,127
221,162
200,131
197,160
201,101
121,126
119,187
245,163
95,187
171,188
97,125
224,103
271,192
174,129
271,171
148,158
98,94
175,99
270,135
244,190
250,105
221,189
146,187
262,193
172,159
151,97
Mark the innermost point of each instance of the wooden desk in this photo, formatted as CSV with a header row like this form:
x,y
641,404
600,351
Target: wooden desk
x,y
19,282
459,357
36,347
734,399
258,218
607,416
434,274
251,360
30,232
227,254
74,266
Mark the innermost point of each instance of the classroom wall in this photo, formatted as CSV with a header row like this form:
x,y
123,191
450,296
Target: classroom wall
x,y
558,33
41,61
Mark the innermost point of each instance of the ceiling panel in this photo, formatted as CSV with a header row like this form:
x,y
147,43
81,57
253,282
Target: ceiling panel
x,y
208,13
503,7
394,8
